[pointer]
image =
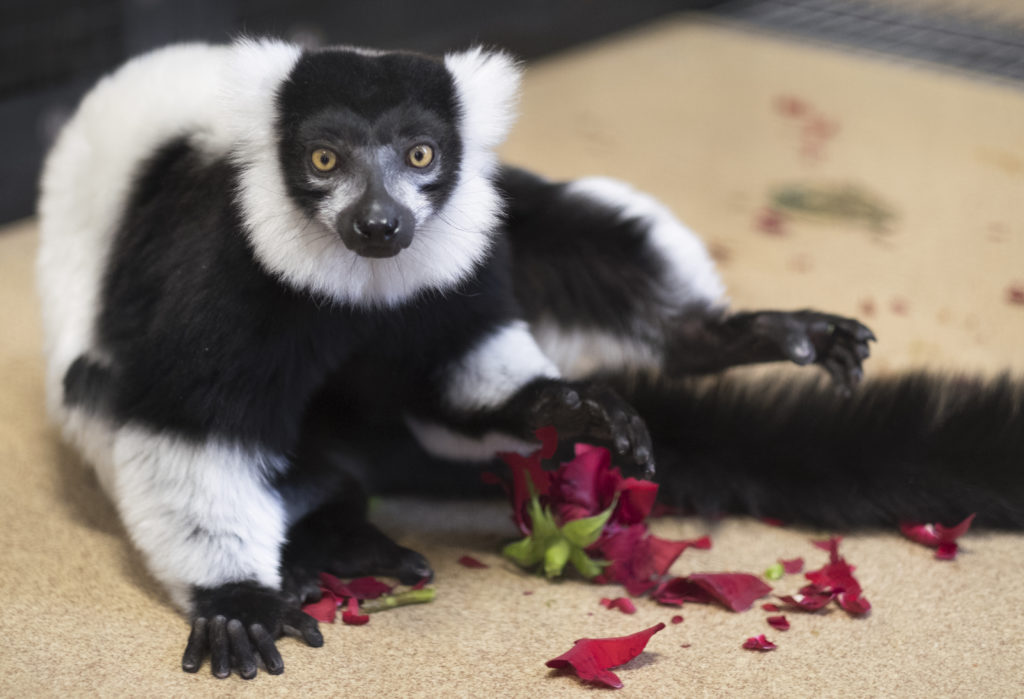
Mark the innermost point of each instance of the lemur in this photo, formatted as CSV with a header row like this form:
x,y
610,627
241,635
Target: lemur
x,y
264,268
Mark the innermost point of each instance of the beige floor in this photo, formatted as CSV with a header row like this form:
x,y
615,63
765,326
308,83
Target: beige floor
x,y
687,110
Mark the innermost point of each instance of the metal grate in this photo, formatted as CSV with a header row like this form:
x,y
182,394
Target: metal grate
x,y
965,42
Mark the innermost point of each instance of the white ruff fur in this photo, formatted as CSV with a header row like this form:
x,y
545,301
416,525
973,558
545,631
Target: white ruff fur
x,y
494,370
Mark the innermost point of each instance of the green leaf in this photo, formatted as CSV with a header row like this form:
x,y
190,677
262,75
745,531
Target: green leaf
x,y
556,557
587,567
586,530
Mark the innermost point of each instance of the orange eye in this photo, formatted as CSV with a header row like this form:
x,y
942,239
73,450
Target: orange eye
x,y
420,156
324,160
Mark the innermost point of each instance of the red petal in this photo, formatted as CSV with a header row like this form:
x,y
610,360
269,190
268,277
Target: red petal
x,y
773,521
779,622
854,604
471,562
921,533
523,468
679,590
759,643
623,604
946,551
636,498
368,588
336,586
769,607
548,437
677,619
953,533
808,602
325,610
830,545
592,657
737,591
351,615
792,565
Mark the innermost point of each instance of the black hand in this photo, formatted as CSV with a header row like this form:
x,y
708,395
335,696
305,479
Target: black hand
x,y
237,623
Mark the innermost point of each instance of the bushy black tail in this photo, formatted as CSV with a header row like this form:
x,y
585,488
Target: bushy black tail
x,y
915,447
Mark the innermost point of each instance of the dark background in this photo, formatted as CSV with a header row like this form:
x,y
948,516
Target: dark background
x,y
51,51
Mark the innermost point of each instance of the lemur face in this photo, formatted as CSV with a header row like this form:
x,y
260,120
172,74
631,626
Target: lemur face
x,y
369,144
367,177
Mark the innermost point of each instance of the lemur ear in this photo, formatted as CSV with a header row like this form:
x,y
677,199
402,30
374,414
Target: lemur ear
x,y
487,83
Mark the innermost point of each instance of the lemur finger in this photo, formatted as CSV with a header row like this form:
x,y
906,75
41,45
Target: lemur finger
x,y
852,373
303,625
220,651
195,650
241,650
413,568
267,649
837,372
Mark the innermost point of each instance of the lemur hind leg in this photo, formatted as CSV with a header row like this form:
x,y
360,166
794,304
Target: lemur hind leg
x,y
330,531
706,343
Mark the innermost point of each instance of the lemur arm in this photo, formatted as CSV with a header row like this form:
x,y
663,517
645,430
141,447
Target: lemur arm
x,y
499,392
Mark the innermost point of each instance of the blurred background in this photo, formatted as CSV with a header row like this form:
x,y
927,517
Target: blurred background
x,y
51,51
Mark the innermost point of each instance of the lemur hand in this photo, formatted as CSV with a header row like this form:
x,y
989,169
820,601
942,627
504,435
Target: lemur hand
x,y
594,414
235,623
839,345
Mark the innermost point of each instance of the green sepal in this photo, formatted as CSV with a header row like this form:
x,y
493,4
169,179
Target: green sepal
x,y
585,531
774,572
556,556
525,552
587,567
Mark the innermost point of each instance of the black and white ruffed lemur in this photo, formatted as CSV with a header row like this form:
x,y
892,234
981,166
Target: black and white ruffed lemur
x,y
267,272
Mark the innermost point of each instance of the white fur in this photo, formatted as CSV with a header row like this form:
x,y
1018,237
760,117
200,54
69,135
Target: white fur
x,y
164,487
693,276
494,370
448,444
580,352
87,176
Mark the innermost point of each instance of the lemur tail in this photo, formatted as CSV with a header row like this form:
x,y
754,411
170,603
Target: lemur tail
x,y
916,447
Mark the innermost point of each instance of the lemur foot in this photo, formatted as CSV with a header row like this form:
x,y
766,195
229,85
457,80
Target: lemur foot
x,y
839,345
329,541
595,414
237,623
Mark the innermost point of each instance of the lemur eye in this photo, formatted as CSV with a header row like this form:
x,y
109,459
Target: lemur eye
x,y
420,156
324,160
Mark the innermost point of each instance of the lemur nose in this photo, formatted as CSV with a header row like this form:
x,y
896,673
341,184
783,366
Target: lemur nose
x,y
377,229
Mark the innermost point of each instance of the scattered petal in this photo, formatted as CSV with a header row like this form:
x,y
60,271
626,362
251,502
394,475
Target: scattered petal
x,y
591,658
769,607
759,643
773,521
807,602
325,610
470,562
623,604
792,565
937,536
368,588
678,590
779,622
527,592
737,591
677,619
351,615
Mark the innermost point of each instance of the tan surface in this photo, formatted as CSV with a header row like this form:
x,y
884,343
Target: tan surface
x,y
683,109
